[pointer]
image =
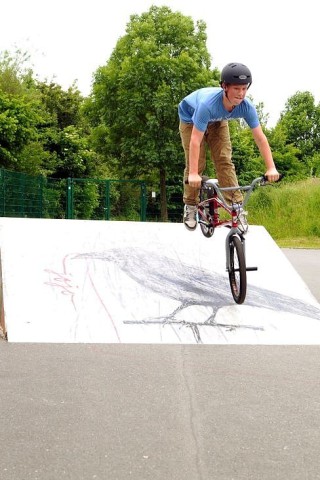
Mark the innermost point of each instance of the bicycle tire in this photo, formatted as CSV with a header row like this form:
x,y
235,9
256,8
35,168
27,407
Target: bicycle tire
x,y
237,271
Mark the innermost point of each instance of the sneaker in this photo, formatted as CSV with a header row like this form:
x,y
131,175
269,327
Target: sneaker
x,y
190,217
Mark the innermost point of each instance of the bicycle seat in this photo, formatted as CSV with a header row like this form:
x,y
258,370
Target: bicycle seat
x,y
210,181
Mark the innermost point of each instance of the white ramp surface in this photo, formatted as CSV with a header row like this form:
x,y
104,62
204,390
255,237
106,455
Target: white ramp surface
x,y
78,281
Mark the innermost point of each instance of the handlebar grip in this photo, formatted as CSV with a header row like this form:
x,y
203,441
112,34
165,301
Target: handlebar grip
x,y
281,175
204,178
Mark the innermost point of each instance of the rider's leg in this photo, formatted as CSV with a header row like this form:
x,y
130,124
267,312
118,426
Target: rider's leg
x,y
190,194
218,140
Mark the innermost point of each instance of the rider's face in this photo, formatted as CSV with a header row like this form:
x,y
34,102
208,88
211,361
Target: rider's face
x,y
236,93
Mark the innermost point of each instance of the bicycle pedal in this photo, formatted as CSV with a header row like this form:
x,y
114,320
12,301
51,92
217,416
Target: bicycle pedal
x,y
252,269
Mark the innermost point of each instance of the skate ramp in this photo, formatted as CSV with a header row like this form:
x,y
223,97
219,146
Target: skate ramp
x,y
75,281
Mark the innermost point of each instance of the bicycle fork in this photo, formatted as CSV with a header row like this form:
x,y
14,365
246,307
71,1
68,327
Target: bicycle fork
x,y
228,243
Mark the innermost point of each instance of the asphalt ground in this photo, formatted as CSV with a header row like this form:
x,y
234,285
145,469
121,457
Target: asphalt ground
x,y
195,412
307,264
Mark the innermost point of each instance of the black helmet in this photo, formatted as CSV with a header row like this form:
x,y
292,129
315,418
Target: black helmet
x,y
236,73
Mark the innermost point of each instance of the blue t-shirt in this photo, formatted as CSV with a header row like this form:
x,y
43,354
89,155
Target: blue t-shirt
x,y
205,106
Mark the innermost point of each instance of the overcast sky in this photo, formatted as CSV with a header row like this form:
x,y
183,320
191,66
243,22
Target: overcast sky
x,y
68,39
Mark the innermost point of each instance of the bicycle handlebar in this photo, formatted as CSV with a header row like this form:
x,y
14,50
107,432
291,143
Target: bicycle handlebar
x,y
262,180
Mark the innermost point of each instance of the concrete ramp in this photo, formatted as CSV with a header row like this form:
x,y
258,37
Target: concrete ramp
x,y
67,281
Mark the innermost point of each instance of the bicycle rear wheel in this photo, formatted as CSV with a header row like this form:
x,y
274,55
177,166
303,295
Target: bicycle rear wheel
x,y
237,270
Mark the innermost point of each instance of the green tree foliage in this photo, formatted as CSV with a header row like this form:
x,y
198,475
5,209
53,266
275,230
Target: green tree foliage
x,y
245,155
130,120
74,153
16,77
299,130
18,115
42,127
301,122
162,57
18,121
64,132
286,155
64,107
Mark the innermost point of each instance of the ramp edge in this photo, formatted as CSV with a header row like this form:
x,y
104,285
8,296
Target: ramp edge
x,y
3,331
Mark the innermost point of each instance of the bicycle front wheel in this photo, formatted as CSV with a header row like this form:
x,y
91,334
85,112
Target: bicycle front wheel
x,y
237,270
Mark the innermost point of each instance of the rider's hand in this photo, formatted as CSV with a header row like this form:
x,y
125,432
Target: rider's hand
x,y
272,174
194,180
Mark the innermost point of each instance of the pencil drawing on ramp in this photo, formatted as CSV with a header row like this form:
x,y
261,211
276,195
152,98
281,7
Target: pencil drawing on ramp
x,y
134,282
175,301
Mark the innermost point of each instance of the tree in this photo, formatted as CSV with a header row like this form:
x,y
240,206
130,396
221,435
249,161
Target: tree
x,y
76,159
286,155
19,115
64,132
301,122
63,106
15,75
42,127
245,156
18,122
296,137
162,57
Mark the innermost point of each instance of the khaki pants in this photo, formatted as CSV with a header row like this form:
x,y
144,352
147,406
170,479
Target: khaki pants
x,y
217,139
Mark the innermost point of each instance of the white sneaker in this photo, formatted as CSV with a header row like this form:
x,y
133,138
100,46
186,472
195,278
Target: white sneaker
x,y
190,217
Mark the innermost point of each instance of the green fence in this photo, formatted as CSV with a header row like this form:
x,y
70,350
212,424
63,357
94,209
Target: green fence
x,y
22,195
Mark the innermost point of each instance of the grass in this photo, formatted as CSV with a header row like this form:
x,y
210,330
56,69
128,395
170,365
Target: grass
x,y
303,242
290,212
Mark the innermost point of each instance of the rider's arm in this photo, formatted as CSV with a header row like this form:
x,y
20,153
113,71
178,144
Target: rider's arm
x,y
265,151
194,153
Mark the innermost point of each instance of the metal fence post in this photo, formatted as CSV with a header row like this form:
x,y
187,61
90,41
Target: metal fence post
x,y
143,211
69,206
107,199
22,185
2,190
41,182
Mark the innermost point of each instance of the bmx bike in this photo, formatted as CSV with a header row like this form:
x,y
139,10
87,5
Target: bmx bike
x,y
209,218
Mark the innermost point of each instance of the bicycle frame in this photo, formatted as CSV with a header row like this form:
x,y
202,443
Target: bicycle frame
x,y
210,185
211,200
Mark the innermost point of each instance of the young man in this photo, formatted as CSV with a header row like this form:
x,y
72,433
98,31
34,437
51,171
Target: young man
x,y
204,116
